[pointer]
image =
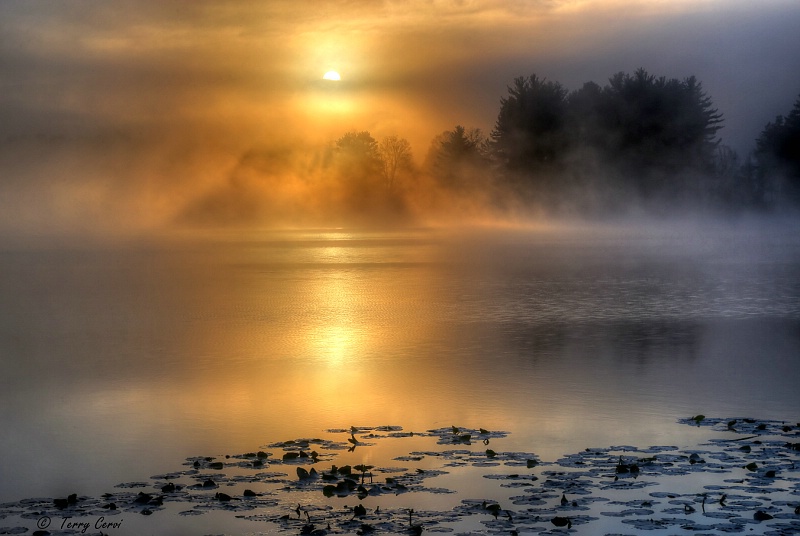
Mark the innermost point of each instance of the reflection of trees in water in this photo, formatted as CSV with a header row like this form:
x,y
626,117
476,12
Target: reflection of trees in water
x,y
629,342
537,342
642,342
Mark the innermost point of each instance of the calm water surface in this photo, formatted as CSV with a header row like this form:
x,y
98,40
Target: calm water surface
x,y
121,361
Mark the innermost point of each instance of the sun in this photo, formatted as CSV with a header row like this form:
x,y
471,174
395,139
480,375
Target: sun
x,y
331,75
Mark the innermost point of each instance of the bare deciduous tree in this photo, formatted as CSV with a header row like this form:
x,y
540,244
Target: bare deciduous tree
x,y
395,154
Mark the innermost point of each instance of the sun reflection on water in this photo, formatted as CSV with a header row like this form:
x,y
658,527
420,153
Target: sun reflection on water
x,y
336,335
335,345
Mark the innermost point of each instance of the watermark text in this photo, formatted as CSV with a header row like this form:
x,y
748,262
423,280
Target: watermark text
x,y
79,524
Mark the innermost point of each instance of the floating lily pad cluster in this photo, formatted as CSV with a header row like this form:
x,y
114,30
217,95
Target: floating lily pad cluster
x,y
749,477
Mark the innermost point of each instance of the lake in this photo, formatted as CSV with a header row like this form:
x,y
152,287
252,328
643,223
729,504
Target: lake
x,y
123,359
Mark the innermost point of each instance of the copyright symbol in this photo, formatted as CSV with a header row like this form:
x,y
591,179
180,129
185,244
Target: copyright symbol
x,y
43,522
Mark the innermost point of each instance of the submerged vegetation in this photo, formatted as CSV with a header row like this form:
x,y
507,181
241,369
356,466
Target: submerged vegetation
x,y
747,475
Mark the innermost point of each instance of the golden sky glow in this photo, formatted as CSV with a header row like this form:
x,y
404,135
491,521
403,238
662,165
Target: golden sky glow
x,y
135,111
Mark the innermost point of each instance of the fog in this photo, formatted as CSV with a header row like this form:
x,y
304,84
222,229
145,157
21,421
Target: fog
x,y
123,118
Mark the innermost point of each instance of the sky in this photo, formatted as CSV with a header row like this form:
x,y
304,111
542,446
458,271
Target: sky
x,y
121,114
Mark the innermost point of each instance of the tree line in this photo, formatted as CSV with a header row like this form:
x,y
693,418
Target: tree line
x,y
639,139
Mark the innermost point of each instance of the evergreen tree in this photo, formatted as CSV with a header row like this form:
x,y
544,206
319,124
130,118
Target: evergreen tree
x,y
658,132
653,135
529,134
778,157
457,158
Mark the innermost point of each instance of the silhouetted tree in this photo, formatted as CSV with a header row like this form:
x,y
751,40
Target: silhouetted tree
x,y
659,131
395,155
584,120
733,184
778,157
457,158
655,136
586,146
357,191
529,134
357,156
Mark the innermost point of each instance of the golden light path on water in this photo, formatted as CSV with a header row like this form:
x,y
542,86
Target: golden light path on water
x,y
348,336
341,330
225,345
335,339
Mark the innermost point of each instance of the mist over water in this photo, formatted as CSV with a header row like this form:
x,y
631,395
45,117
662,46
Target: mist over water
x,y
206,247
569,337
